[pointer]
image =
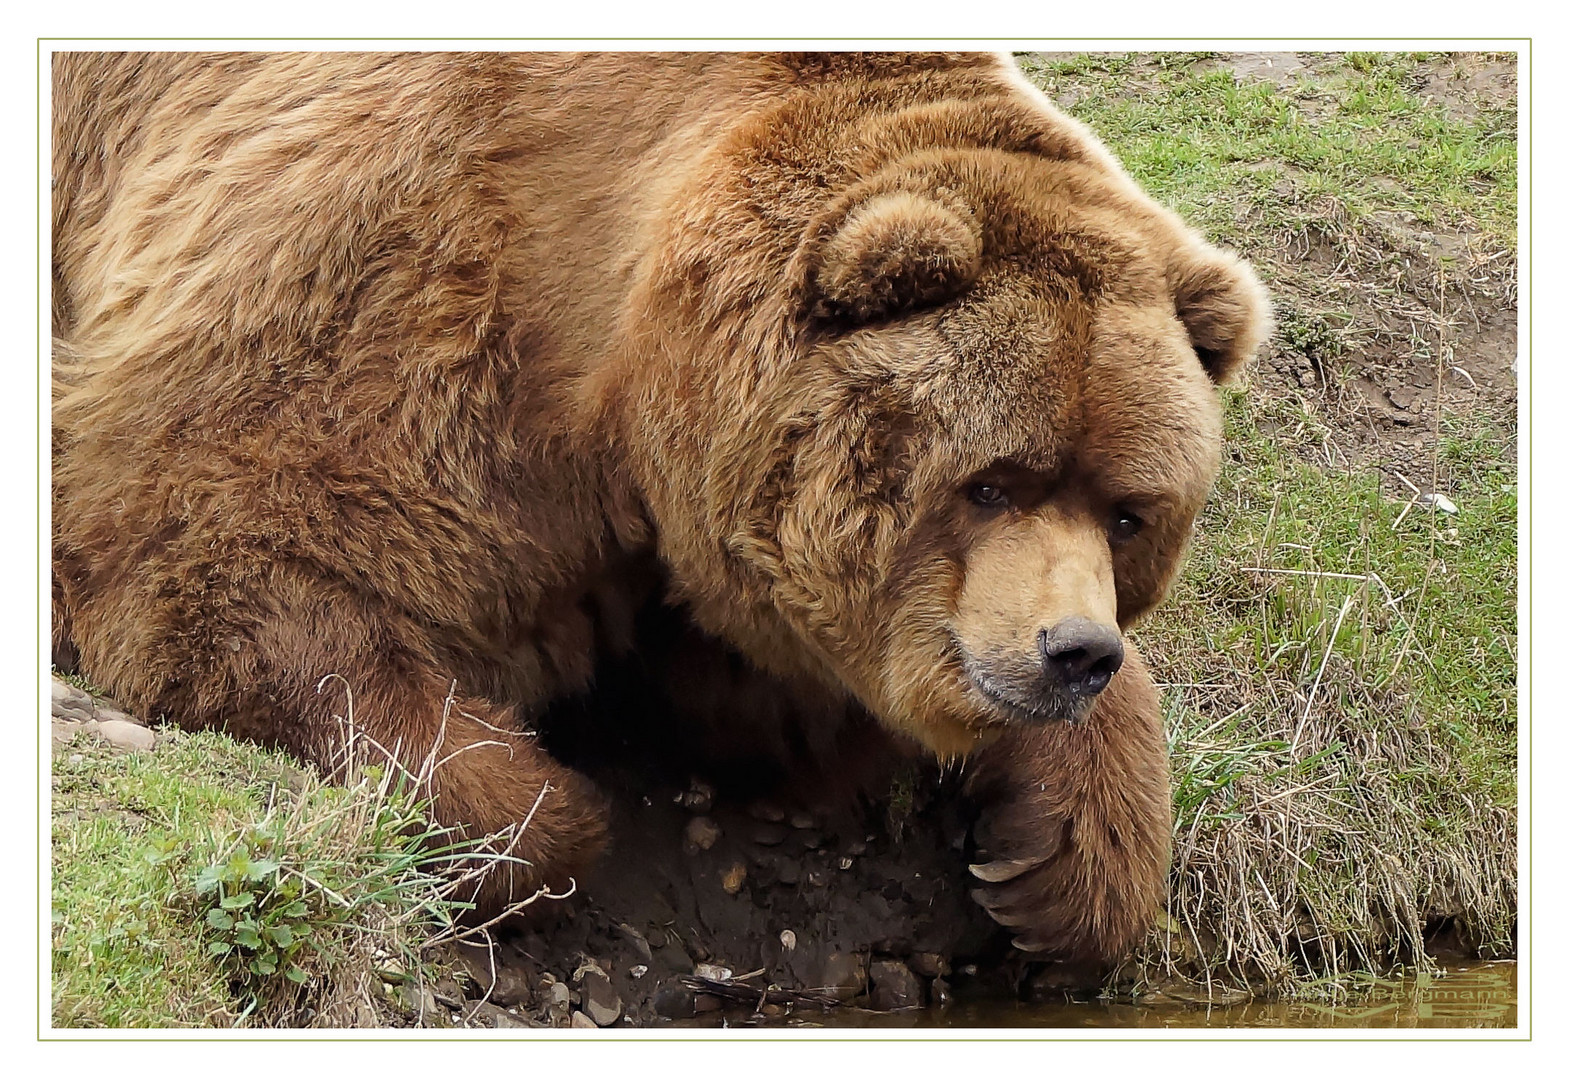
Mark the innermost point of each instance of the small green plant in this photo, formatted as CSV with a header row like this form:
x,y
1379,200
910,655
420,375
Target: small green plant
x,y
258,921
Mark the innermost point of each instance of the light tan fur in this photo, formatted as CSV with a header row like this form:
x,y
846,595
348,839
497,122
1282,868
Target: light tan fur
x,y
394,365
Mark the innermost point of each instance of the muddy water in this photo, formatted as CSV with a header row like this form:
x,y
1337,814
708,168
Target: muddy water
x,y
1481,996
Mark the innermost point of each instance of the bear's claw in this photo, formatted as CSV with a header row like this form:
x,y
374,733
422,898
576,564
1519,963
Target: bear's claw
x,y
1004,869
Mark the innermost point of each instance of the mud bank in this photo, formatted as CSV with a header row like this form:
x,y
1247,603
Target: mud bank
x,y
760,910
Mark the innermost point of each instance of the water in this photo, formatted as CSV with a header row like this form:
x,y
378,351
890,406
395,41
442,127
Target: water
x,y
1478,996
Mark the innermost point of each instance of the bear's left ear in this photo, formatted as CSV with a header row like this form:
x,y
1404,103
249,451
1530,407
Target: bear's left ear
x,y
894,252
1225,309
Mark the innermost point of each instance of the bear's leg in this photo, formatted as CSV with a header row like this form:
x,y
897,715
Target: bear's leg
x,y
303,662
1076,826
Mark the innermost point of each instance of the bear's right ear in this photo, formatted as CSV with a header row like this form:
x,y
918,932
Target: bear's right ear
x,y
894,252
1225,309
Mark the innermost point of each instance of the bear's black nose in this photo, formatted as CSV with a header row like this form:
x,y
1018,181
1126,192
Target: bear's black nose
x,y
1081,656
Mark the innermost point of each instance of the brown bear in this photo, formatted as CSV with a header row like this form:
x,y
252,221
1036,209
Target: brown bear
x,y
398,368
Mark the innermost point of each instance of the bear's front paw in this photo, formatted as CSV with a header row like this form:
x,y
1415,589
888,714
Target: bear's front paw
x,y
1075,834
1070,888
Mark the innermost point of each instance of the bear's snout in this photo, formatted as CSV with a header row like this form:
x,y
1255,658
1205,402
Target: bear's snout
x,y
1080,656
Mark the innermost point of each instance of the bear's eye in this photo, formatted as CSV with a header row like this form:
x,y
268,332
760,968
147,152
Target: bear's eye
x,y
1125,525
988,495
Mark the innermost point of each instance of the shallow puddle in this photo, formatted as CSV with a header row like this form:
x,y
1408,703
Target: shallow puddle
x,y
1480,996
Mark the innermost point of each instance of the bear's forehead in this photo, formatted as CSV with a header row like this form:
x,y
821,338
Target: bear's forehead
x,y
1054,382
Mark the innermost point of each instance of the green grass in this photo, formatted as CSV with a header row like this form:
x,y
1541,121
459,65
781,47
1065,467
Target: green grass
x,y
212,883
1341,664
1357,131
1342,712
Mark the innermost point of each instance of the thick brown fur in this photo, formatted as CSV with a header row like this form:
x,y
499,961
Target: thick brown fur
x,y
391,366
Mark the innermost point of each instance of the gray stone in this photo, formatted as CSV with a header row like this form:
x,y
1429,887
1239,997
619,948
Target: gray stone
x,y
928,964
895,986
581,1021
600,1000
638,942
68,702
557,995
124,735
511,987
494,1016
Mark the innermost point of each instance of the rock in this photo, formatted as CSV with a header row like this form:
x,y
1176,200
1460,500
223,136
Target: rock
x,y
675,1002
704,1003
124,735
929,965
802,820
787,940
895,986
734,879
844,976
701,833
61,732
714,972
511,987
600,1000
557,994
698,797
68,702
581,1021
769,834
448,992
638,942
788,871
494,1016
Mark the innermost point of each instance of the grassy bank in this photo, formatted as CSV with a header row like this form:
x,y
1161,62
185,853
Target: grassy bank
x,y
1340,654
208,883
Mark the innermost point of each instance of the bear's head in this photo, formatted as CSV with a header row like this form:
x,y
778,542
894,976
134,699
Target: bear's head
x,y
943,443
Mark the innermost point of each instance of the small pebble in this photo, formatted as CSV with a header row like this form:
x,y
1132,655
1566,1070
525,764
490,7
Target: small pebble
x,y
802,820
712,971
701,833
787,940
581,1021
734,879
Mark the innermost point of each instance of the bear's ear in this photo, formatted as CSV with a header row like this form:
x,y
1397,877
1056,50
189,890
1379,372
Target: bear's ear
x,y
891,253
1225,309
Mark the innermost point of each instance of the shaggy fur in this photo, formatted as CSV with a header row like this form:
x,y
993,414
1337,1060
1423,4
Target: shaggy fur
x,y
396,366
